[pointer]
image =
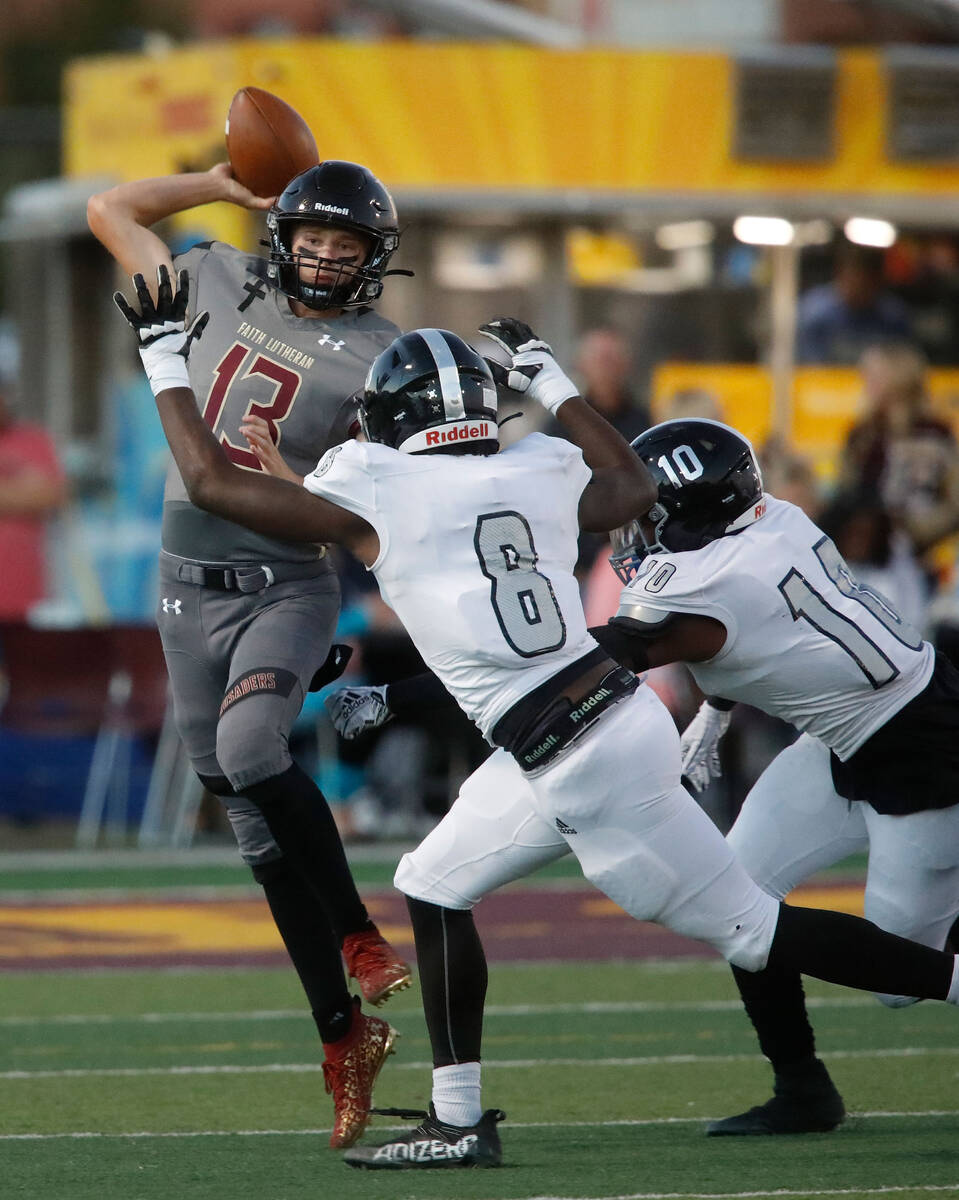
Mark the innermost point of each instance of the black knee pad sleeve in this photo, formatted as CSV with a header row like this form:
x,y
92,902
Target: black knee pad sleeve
x,y
266,873
219,785
290,786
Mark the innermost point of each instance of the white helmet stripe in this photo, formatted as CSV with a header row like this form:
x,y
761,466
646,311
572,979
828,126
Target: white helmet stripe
x,y
448,372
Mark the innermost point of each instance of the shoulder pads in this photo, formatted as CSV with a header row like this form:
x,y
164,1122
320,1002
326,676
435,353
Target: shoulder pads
x,y
642,617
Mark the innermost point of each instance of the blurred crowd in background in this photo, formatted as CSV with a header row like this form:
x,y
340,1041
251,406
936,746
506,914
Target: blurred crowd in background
x,y
79,532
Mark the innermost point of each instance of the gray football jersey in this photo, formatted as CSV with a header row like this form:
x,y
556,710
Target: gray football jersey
x,y
256,357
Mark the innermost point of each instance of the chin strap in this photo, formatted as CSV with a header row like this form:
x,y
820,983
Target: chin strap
x,y
511,417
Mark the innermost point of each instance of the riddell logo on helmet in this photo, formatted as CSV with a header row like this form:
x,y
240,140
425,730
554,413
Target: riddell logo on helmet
x,y
458,433
760,508
331,208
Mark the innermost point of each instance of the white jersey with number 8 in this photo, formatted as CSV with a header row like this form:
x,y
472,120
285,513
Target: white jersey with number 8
x,y
488,593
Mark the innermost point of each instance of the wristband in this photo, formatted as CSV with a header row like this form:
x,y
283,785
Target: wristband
x,y
164,366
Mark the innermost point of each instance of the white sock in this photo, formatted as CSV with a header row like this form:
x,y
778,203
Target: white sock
x,y
456,1094
952,996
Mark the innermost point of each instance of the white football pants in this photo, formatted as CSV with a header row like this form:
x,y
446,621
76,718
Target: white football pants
x,y
614,799
793,823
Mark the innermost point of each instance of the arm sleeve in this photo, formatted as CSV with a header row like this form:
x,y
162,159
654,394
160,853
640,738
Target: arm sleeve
x,y
424,691
622,643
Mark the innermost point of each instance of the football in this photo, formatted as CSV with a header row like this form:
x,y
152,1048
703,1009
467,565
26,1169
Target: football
x,y
267,141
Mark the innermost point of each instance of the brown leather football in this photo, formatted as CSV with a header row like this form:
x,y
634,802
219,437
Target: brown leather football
x,y
267,141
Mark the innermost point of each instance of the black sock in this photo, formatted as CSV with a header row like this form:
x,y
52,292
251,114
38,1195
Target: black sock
x,y
852,951
302,825
776,1005
305,928
453,978
334,1023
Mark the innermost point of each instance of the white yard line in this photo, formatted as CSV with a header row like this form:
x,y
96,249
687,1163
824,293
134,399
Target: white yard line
x,y
492,1010
384,1128
491,1064
952,1189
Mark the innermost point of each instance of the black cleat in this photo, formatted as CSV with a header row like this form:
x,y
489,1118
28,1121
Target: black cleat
x,y
805,1102
434,1144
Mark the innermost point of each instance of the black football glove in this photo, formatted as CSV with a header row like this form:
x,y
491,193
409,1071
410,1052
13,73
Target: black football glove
x,y
533,371
161,327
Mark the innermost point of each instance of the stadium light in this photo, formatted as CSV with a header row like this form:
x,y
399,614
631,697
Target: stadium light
x,y
870,231
764,231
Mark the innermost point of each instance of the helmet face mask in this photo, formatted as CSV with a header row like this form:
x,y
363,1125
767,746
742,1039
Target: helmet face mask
x,y
341,195
636,541
428,391
709,485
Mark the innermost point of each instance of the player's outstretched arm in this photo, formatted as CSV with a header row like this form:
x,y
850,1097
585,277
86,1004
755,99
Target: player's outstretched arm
x,y
621,487
121,217
270,506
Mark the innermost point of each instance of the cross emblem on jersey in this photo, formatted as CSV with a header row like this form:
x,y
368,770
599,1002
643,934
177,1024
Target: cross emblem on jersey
x,y
326,340
257,290
173,606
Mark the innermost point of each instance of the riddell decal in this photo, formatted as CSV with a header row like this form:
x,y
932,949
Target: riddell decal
x,y
760,508
458,433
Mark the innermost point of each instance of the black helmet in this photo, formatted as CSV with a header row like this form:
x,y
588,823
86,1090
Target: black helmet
x,y
347,196
709,485
430,391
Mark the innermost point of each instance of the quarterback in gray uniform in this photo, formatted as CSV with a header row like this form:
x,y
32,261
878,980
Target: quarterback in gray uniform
x,y
247,620
474,548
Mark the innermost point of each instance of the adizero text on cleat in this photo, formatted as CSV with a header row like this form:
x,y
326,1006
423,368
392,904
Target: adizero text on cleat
x,y
435,1144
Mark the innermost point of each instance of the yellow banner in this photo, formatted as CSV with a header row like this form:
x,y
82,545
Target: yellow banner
x,y
489,116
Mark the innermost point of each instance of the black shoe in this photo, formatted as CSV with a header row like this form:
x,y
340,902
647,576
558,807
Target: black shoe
x,y
805,1101
434,1144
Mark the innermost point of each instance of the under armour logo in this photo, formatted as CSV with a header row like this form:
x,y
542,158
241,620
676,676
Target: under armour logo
x,y
173,606
563,827
326,340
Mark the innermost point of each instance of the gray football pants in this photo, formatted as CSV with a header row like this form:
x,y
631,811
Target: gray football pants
x,y
240,667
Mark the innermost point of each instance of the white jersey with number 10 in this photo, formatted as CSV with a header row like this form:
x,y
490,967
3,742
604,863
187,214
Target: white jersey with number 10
x,y
805,640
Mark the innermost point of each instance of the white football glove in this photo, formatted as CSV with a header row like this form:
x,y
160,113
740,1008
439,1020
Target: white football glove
x,y
700,745
533,371
162,331
356,710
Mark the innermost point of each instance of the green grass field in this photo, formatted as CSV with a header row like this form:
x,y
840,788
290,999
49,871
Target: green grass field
x,y
173,1084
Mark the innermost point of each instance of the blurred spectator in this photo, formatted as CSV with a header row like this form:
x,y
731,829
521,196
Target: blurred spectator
x,y
604,366
863,533
789,476
32,489
693,402
838,320
901,452
898,492
604,369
